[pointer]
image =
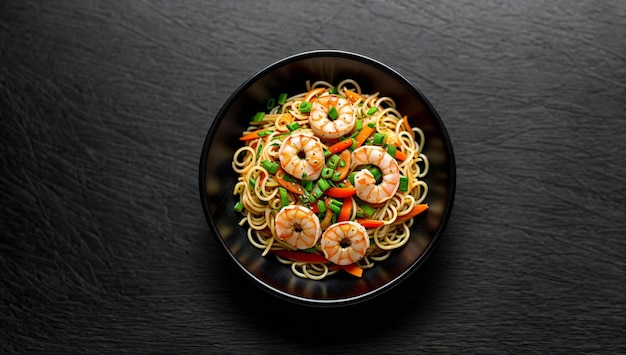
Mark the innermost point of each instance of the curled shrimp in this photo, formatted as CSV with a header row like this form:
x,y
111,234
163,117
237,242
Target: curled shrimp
x,y
302,155
345,243
364,181
298,226
326,126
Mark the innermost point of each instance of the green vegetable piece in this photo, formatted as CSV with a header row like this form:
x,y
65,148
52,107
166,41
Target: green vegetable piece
x,y
270,103
284,197
379,138
332,161
239,207
258,117
391,149
372,110
323,184
270,166
332,113
305,107
321,206
404,184
327,173
293,126
282,98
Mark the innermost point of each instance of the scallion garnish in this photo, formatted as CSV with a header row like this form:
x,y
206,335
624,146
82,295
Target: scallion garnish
x,y
305,107
282,98
332,113
372,110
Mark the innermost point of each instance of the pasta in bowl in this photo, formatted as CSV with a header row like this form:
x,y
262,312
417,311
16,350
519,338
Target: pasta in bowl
x,y
327,177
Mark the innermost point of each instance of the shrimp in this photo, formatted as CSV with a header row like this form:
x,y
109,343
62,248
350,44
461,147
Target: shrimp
x,y
366,187
345,243
325,126
302,155
298,226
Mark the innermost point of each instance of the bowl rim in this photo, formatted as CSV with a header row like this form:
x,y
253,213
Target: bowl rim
x,y
449,199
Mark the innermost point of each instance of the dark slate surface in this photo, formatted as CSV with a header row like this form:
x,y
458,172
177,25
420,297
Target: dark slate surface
x,y
104,107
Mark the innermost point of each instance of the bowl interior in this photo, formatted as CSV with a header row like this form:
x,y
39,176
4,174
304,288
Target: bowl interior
x,y
217,178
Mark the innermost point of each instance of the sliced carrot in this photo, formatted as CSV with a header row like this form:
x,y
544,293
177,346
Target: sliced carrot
x,y
400,155
340,192
370,223
291,186
353,269
362,136
340,146
346,210
417,209
405,121
343,171
301,256
313,92
252,135
353,96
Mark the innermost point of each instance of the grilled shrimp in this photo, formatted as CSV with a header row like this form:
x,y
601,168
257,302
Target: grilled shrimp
x,y
345,243
366,187
302,155
298,226
331,125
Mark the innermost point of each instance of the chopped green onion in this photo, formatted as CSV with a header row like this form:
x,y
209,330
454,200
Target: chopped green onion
x,y
332,113
342,163
376,172
336,202
258,117
323,184
293,126
379,138
265,133
333,90
359,125
351,177
282,98
332,161
371,125
259,148
309,196
270,166
284,197
289,178
404,183
334,208
391,149
367,209
305,107
372,110
327,173
321,206
270,103
317,192
336,176
252,182
308,185
239,207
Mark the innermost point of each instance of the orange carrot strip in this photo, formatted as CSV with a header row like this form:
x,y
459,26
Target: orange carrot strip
x,y
313,92
346,210
362,136
340,146
353,96
370,223
252,135
417,209
401,155
353,269
291,186
405,121
340,192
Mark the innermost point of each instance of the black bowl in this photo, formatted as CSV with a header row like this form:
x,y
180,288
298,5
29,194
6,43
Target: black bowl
x,y
217,178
